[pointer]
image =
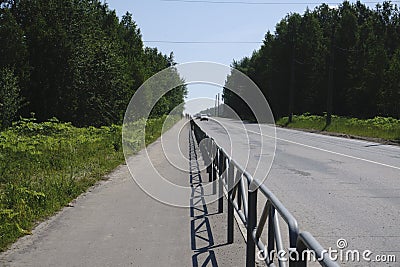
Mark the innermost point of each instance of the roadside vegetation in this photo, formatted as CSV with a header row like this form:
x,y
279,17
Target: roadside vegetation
x,y
342,60
44,166
82,69
378,127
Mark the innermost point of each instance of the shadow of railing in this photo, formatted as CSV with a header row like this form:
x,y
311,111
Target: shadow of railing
x,y
202,240
242,190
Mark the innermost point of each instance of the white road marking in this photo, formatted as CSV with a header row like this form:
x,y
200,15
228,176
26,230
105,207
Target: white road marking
x,y
321,149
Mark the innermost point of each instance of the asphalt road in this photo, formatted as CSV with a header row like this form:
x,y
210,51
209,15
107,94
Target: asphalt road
x,y
336,188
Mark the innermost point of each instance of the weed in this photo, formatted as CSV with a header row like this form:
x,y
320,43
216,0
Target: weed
x,y
378,127
43,166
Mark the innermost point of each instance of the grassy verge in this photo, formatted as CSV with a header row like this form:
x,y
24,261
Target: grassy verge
x,y
378,127
155,127
43,166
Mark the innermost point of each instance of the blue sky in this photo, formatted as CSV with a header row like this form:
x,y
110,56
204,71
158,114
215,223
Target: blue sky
x,y
161,20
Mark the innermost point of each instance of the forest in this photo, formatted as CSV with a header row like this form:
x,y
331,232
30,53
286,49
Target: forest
x,y
68,69
74,60
342,60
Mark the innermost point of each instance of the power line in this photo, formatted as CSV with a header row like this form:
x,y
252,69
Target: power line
x,y
237,2
201,42
265,3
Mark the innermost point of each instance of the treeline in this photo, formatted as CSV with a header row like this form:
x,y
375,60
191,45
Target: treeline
x,y
74,60
344,61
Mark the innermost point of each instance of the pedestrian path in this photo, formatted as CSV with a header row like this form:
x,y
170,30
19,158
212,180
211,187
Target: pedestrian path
x,y
117,224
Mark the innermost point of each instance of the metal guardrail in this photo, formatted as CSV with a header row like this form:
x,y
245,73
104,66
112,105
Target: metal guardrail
x,y
242,192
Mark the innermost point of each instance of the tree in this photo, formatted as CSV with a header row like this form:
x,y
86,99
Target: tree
x,y
334,60
75,60
13,47
390,95
10,99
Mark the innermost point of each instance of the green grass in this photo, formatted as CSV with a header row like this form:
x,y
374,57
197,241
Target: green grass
x,y
154,127
378,127
44,166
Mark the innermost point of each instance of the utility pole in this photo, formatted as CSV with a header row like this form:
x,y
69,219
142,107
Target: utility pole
x,y
222,107
215,108
218,107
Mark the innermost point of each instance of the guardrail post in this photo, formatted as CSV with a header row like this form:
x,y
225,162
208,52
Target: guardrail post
x,y
251,225
231,184
220,183
214,171
239,194
210,163
300,262
271,231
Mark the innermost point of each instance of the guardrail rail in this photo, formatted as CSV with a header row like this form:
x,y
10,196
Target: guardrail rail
x,y
242,190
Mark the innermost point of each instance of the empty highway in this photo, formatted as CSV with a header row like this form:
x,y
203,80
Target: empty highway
x,y
336,188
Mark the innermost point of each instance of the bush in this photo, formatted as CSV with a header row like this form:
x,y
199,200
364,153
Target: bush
x,y
379,127
10,100
43,166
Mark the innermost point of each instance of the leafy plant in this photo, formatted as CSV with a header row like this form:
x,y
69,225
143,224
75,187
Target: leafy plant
x,y
43,166
10,99
378,127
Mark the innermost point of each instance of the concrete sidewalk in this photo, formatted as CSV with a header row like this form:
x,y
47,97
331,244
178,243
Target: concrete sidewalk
x,y
117,224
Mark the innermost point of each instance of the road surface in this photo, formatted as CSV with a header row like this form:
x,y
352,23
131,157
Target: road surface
x,y
336,188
